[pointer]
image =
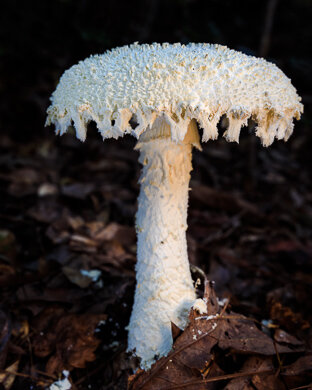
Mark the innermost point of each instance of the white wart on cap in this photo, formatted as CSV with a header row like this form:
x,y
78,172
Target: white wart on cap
x,y
183,82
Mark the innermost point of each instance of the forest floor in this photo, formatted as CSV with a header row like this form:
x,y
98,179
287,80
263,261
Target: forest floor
x,y
68,251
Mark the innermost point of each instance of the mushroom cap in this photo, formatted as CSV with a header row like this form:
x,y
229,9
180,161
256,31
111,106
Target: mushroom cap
x,y
180,82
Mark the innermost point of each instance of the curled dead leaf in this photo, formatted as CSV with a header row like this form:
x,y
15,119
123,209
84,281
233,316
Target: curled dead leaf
x,y
194,352
7,377
69,339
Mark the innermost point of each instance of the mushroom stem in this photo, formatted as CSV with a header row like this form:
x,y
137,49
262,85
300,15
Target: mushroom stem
x,y
164,291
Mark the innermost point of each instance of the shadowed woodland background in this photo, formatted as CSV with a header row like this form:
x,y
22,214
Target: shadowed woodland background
x,y
67,206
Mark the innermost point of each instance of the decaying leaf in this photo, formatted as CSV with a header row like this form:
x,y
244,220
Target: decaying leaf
x,y
286,317
193,359
7,244
304,363
5,334
71,204
285,338
222,200
80,277
77,190
255,364
68,339
7,377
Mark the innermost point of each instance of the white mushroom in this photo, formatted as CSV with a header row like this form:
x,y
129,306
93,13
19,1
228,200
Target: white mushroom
x,y
167,90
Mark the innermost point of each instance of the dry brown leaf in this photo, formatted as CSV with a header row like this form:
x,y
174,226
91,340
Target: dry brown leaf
x,y
263,381
77,277
193,352
23,181
239,384
114,231
77,190
5,334
46,211
37,293
242,336
222,200
283,246
69,338
7,244
252,364
301,365
7,377
285,338
286,317
190,355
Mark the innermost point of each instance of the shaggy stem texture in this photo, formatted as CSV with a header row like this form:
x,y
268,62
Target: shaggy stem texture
x,y
164,290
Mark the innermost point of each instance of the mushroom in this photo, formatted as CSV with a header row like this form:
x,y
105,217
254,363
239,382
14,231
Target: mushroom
x,y
161,94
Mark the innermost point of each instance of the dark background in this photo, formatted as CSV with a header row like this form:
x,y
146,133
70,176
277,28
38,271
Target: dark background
x,y
250,214
40,39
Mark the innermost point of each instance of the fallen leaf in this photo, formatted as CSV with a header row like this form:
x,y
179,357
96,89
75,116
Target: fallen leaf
x,y
242,336
80,278
68,338
286,317
77,190
301,365
24,181
283,337
45,211
7,377
217,199
5,334
47,189
264,381
7,244
252,364
194,351
77,239
113,231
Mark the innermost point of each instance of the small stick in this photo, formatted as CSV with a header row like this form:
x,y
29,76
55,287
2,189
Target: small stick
x,y
219,378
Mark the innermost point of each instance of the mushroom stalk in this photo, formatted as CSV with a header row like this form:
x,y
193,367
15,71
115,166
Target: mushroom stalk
x,y
164,291
165,89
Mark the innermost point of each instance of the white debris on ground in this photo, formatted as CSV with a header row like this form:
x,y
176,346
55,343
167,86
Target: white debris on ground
x,y
266,323
112,346
222,302
93,274
62,384
99,325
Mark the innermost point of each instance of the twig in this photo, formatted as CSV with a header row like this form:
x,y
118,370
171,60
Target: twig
x,y
44,374
219,378
6,372
280,365
171,355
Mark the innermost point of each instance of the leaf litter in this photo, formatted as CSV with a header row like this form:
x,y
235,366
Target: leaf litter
x,y
197,357
68,252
